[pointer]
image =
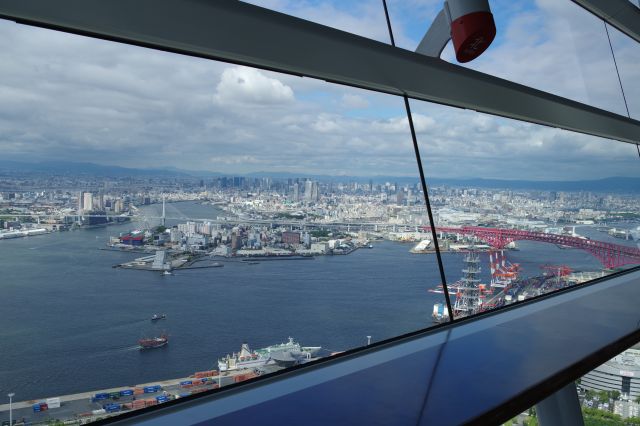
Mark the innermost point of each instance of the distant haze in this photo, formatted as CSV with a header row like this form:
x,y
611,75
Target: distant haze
x,y
611,184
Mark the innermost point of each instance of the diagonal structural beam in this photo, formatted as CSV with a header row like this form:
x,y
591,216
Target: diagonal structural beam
x,y
241,33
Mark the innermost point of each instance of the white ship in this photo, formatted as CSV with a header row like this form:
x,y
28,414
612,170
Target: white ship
x,y
248,359
421,247
440,313
290,346
244,359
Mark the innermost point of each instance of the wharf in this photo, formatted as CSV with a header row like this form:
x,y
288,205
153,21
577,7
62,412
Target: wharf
x,y
79,407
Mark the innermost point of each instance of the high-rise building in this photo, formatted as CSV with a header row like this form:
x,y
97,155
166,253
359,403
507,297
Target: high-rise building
x,y
87,201
308,188
236,241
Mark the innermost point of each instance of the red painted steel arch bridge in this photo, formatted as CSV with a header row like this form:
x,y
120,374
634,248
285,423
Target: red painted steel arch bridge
x,y
610,255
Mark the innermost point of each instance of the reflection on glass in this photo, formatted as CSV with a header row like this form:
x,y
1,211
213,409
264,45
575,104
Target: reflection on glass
x,y
627,54
522,210
557,47
611,390
168,222
363,18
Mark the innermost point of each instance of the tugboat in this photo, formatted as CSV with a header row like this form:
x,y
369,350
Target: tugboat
x,y
154,342
157,317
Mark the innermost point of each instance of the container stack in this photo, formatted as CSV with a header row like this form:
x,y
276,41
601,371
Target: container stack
x,y
152,389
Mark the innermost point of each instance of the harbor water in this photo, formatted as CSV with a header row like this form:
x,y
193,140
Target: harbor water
x,y
70,322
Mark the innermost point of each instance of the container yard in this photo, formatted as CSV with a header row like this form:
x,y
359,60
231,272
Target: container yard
x,y
86,407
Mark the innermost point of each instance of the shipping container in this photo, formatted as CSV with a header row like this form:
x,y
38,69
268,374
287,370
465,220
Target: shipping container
x,y
53,402
186,382
101,396
108,406
126,392
138,391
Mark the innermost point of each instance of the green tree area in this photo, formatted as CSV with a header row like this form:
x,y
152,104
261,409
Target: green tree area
x,y
320,233
287,216
595,417
592,417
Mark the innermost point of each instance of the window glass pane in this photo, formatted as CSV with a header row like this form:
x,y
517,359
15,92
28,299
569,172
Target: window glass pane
x,y
530,202
557,47
291,207
363,18
627,53
612,389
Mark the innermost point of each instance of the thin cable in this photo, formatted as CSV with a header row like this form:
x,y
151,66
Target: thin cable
x,y
386,14
624,98
613,55
423,182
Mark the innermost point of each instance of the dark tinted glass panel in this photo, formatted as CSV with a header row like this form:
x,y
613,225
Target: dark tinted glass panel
x,y
522,209
158,212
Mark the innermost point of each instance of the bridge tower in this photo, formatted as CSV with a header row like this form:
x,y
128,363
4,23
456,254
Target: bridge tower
x,y
468,300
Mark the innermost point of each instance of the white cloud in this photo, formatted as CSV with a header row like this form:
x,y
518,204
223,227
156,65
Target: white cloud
x,y
250,86
75,98
400,125
349,100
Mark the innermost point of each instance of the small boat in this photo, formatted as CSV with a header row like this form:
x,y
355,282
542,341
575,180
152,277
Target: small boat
x,y
167,273
154,342
157,317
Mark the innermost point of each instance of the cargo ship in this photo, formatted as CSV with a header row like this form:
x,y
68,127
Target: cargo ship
x,y
290,350
290,346
154,342
157,317
244,359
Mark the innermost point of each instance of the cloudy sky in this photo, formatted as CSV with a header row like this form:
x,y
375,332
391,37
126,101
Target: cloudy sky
x,y
66,97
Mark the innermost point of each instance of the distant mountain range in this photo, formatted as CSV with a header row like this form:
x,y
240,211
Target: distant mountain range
x,y
91,169
610,184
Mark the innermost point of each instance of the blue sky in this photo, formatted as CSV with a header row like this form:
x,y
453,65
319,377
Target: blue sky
x,y
66,97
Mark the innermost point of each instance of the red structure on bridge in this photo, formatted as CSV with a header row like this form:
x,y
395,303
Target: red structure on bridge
x,y
610,255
